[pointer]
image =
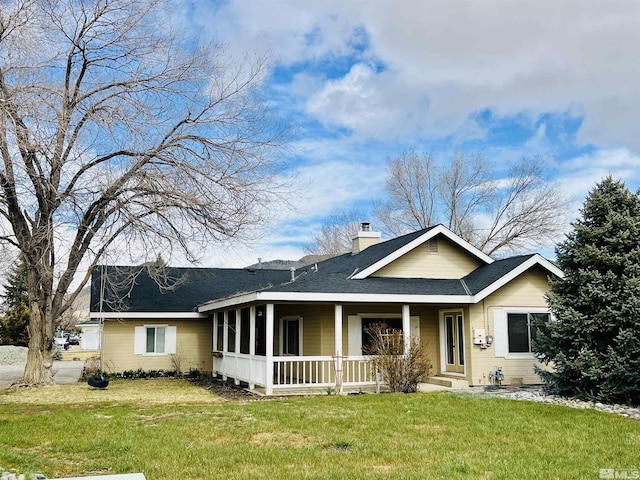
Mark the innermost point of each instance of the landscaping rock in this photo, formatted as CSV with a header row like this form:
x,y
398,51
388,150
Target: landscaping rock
x,y
539,396
10,355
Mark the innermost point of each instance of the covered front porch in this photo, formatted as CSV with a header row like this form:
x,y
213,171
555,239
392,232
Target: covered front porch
x,y
287,348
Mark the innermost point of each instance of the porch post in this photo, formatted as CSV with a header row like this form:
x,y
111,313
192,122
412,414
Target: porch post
x,y
214,321
237,348
252,343
225,340
269,352
338,329
406,327
338,346
214,345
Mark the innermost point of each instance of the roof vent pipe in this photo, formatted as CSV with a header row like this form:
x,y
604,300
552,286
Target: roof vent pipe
x,y
293,273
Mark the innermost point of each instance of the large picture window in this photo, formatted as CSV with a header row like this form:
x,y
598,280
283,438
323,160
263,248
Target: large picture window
x,y
521,330
390,324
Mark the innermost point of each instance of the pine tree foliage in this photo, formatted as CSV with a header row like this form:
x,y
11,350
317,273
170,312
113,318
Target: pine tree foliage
x,y
593,344
13,325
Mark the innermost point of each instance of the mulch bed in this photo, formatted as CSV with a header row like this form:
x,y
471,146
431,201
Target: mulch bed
x,y
228,391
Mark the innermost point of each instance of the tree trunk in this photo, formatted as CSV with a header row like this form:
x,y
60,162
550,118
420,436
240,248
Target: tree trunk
x,y
40,349
40,356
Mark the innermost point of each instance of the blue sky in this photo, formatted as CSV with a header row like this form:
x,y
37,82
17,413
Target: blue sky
x,y
366,80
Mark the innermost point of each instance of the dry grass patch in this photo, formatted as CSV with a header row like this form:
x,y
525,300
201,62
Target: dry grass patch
x,y
280,440
146,392
429,427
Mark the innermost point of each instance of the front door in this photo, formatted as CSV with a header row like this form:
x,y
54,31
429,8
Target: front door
x,y
454,342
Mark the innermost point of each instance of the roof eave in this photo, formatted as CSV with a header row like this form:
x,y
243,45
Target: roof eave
x,y
333,298
146,315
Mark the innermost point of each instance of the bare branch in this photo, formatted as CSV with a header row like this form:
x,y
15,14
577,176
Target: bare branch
x,y
495,215
111,128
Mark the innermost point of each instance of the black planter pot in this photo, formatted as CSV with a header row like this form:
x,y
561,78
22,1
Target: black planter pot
x,y
98,381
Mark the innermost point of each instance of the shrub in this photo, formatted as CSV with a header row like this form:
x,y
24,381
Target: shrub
x,y
401,371
594,342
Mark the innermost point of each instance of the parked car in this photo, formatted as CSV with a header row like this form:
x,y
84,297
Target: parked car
x,y
74,339
60,339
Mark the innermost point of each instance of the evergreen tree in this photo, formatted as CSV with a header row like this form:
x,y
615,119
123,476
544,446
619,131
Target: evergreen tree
x,y
13,326
593,344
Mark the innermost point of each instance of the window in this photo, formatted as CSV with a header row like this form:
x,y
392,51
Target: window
x,y
367,336
155,340
521,330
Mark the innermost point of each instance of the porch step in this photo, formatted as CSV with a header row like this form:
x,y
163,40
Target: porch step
x,y
449,382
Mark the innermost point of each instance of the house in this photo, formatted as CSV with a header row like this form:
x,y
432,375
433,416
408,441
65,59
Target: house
x,y
279,331
89,334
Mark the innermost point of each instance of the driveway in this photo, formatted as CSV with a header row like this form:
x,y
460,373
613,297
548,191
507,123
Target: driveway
x,y
63,372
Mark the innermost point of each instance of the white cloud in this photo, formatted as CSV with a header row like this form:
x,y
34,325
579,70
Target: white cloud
x,y
443,63
446,60
331,185
579,175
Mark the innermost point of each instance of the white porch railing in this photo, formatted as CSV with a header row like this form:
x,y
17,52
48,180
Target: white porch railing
x,y
297,372
242,367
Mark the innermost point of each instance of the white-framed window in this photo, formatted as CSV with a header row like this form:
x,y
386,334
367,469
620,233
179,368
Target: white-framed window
x,y
291,336
515,330
155,340
367,334
357,329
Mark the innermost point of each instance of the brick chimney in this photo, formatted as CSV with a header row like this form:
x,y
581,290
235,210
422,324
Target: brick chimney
x,y
364,238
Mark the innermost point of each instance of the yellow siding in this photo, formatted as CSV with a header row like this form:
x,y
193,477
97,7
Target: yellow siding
x,y
315,321
451,261
527,290
193,345
429,332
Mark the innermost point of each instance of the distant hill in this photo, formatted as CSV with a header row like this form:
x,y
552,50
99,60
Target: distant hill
x,y
287,264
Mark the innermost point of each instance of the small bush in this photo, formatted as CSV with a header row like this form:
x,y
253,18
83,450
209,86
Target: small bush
x,y
401,371
142,374
176,361
91,366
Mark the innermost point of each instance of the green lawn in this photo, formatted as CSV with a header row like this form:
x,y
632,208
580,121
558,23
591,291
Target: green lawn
x,y
173,430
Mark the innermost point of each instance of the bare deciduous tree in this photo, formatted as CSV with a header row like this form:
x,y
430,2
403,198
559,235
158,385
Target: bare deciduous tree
x,y
119,131
492,214
336,234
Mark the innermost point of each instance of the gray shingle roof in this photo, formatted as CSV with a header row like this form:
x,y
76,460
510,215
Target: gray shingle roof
x,y
484,276
197,285
203,285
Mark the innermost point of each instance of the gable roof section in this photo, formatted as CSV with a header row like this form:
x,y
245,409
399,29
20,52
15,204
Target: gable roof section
x,y
413,241
483,281
199,285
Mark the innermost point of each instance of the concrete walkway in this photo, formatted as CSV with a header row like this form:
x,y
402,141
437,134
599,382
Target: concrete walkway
x,y
63,372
